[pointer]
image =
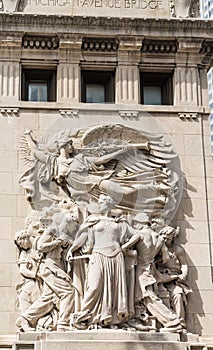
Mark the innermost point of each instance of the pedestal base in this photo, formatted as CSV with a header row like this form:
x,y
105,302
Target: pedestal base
x,y
100,339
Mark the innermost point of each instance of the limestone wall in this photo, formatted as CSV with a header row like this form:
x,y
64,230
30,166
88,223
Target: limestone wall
x,y
186,123
191,140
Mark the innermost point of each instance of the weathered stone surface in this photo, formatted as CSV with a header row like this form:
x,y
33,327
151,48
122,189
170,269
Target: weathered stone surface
x,y
115,8
179,49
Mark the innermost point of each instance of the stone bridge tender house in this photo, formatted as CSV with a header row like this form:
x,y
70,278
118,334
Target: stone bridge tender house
x,y
139,63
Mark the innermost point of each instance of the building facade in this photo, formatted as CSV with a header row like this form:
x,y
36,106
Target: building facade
x,y
207,13
142,64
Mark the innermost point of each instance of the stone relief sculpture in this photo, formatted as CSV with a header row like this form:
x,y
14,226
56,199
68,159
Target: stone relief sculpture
x,y
98,249
185,8
176,270
1,5
147,276
105,301
57,291
30,289
129,165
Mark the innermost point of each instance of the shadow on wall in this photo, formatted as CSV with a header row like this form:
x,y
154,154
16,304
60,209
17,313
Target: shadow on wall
x,y
194,308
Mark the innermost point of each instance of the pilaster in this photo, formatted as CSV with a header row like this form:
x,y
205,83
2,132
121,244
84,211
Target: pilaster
x,y
10,53
127,75
69,68
187,82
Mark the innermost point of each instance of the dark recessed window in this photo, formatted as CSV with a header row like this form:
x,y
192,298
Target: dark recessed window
x,y
38,85
156,89
97,87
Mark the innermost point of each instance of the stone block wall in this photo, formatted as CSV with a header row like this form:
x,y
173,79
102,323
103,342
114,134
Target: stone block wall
x,y
186,123
191,141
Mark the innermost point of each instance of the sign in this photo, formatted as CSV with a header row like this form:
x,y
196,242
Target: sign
x,y
103,8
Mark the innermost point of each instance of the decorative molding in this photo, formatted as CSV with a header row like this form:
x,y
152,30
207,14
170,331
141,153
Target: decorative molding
x,y
189,44
188,116
70,22
100,44
10,39
69,113
128,114
70,41
9,112
159,46
40,42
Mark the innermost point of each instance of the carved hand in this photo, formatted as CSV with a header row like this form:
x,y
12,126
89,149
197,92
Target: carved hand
x,y
27,131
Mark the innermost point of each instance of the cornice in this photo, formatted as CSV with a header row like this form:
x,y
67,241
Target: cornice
x,y
52,23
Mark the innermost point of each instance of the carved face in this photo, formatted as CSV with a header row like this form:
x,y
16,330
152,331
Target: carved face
x,y
157,224
105,203
169,236
66,204
138,225
68,148
23,240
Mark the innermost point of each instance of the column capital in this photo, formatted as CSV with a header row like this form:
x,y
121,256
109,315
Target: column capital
x,y
189,45
70,47
131,43
129,50
70,41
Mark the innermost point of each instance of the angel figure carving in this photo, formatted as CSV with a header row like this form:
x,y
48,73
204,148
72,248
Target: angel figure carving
x,y
131,166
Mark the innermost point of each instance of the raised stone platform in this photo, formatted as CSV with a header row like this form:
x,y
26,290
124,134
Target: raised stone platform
x,y
100,339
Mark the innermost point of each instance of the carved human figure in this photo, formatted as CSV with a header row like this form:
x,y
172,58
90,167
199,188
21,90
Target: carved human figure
x,y
177,267
105,300
76,173
147,276
30,288
183,8
56,282
141,179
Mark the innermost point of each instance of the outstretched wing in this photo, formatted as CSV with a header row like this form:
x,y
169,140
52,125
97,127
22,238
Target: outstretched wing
x,y
158,153
148,170
26,153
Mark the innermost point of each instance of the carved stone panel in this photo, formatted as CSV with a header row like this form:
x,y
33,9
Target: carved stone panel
x,y
97,251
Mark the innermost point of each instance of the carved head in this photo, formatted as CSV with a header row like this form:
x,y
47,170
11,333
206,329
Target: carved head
x,y
169,233
140,220
105,203
157,224
65,143
22,240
